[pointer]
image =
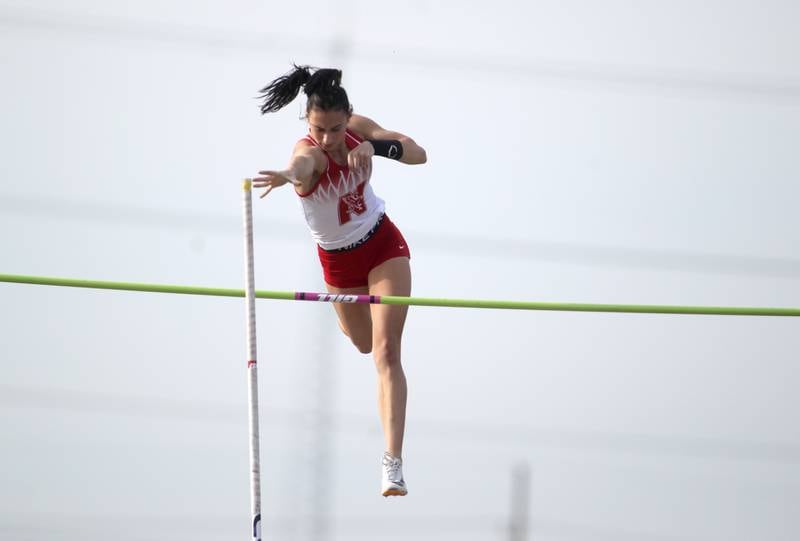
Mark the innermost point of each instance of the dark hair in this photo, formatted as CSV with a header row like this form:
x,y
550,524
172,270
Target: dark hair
x,y
322,86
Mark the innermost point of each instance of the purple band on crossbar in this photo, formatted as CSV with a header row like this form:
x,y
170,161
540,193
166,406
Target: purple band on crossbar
x,y
334,297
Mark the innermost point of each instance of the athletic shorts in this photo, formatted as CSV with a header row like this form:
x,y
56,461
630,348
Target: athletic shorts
x,y
345,268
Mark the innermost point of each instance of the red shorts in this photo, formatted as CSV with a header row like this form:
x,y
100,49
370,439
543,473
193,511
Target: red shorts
x,y
350,268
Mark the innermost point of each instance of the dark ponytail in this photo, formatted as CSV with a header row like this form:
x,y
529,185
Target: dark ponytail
x,y
323,88
283,90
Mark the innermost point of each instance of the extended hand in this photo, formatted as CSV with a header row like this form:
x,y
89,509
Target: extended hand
x,y
273,179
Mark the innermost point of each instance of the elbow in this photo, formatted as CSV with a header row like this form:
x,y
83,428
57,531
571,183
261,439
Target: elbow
x,y
413,153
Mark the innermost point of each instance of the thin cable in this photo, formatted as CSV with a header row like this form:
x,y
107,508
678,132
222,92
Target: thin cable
x,y
529,250
589,441
643,79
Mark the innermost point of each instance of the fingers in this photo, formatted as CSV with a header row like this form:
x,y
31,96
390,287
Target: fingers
x,y
265,182
276,178
271,179
269,176
362,155
357,160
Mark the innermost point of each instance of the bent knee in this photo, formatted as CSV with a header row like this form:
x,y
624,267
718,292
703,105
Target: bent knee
x,y
363,346
362,341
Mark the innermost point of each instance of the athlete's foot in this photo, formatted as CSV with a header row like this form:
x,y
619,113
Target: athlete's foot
x,y
392,483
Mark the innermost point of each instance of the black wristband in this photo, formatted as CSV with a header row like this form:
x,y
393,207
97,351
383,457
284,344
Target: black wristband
x,y
388,148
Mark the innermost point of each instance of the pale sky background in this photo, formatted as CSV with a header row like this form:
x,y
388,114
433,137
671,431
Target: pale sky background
x,y
613,152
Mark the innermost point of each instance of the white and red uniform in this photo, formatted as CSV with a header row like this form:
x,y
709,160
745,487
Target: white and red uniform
x,y
347,221
341,208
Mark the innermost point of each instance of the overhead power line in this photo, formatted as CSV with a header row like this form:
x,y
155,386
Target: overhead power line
x,y
203,222
106,403
692,82
438,526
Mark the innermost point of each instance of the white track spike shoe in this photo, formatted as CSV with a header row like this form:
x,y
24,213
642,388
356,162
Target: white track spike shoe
x,y
392,483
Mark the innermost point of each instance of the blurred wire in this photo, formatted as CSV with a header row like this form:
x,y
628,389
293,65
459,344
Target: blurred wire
x,y
116,214
372,526
570,530
464,245
616,256
642,79
12,396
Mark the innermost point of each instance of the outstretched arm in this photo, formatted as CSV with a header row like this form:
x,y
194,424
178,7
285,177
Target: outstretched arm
x,y
369,129
303,169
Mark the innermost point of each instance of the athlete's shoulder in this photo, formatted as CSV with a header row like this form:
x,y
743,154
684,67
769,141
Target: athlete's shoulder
x,y
305,141
307,145
362,126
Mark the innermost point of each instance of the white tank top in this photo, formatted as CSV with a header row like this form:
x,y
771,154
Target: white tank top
x,y
341,208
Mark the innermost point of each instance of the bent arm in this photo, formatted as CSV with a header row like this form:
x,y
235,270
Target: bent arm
x,y
305,165
369,129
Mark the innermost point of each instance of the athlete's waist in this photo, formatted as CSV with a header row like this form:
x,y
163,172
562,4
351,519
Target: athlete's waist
x,y
360,241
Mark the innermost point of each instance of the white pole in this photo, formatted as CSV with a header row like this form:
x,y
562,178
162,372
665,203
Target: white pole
x,y
252,369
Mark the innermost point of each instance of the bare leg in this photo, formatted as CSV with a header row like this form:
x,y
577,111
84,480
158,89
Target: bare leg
x,y
392,277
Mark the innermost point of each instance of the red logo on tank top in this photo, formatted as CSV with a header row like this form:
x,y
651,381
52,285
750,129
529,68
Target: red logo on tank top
x,y
352,203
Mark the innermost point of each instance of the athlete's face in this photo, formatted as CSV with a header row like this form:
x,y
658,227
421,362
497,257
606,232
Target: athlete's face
x,y
328,128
